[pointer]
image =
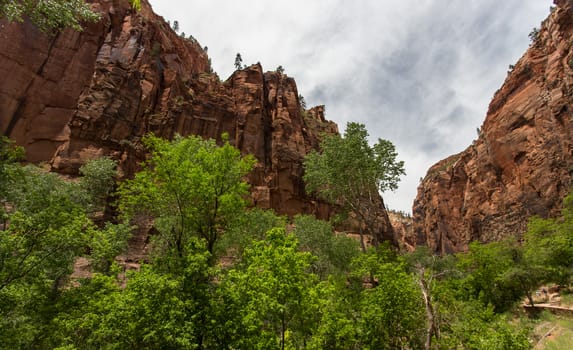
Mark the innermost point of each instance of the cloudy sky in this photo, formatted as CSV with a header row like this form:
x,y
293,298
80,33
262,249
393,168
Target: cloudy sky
x,y
418,73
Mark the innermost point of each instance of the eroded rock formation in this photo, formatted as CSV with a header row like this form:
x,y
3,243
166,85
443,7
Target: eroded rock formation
x,y
403,229
75,96
521,163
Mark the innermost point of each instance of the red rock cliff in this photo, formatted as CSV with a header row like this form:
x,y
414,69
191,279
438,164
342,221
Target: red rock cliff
x,y
521,163
76,96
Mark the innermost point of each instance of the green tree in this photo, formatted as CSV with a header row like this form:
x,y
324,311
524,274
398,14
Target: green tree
x,y
534,34
459,312
154,309
52,15
105,244
339,317
549,245
391,310
271,303
247,228
334,252
302,101
44,222
150,313
49,15
471,325
351,173
189,187
97,183
429,271
493,274
10,154
47,231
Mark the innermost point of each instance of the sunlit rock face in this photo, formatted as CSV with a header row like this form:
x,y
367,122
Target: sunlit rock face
x,y
521,163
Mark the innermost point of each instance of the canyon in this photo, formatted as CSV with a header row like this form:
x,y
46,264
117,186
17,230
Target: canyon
x,y
75,96
522,161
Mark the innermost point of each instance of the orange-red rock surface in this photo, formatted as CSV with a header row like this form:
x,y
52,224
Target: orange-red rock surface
x,y
521,163
402,225
75,96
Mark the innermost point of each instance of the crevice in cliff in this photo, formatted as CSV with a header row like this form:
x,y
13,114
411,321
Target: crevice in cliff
x,y
267,125
521,122
17,115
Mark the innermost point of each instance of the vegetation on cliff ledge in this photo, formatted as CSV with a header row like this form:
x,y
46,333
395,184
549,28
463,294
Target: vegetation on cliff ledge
x,y
52,15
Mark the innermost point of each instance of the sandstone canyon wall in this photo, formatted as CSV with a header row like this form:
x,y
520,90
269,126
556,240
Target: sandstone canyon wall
x,y
522,161
76,96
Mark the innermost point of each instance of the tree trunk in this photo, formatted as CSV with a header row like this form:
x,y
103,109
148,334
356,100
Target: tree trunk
x,y
432,329
362,244
283,326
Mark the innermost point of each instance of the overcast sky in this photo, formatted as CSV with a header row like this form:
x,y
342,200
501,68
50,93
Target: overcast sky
x,y
418,73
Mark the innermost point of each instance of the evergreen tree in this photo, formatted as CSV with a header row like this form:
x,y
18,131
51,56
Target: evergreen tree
x,y
238,61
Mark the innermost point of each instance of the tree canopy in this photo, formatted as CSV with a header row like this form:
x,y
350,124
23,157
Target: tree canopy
x,y
349,172
46,227
241,278
189,187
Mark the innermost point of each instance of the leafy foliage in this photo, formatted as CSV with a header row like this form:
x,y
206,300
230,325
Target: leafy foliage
x,y
54,14
274,296
487,264
334,252
49,15
296,285
549,245
351,173
46,229
349,168
97,182
391,311
339,317
190,187
9,172
534,34
471,325
247,228
155,310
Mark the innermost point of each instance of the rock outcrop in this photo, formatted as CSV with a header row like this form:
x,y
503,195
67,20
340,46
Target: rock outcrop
x,y
403,226
75,96
522,161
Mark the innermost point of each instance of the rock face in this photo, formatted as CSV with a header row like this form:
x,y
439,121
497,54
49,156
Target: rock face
x,y
76,96
522,161
403,226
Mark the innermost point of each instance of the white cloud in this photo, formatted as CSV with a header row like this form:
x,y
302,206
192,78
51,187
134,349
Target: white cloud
x,y
419,73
